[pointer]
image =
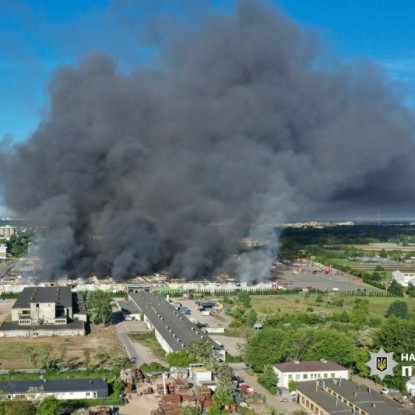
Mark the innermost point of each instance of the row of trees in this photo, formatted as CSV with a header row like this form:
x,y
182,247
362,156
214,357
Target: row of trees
x,y
44,357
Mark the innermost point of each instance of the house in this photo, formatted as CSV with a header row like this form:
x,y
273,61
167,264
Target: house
x,y
302,371
404,278
340,396
60,388
43,311
43,305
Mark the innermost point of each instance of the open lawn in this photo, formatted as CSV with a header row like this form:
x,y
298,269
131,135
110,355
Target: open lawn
x,y
12,350
267,304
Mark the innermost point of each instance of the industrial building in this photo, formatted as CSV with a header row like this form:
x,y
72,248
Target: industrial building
x,y
46,305
173,330
308,370
43,311
60,388
340,396
7,231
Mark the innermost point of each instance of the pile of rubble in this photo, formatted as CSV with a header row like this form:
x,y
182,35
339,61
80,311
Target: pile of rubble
x,y
179,392
136,381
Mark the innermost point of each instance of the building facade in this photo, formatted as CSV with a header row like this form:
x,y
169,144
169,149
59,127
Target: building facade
x,y
60,389
404,278
308,370
340,396
43,305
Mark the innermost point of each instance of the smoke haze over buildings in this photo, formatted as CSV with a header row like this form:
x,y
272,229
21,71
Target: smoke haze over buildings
x,y
243,121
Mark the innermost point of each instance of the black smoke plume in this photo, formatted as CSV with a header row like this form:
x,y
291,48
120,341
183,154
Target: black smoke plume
x,y
238,126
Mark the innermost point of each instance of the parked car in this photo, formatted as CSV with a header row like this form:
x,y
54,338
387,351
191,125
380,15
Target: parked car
x,y
384,391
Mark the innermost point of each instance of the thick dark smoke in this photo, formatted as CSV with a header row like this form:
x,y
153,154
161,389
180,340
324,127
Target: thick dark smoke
x,y
237,128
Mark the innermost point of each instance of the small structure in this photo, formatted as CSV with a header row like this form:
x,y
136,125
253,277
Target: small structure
x,y
308,370
60,389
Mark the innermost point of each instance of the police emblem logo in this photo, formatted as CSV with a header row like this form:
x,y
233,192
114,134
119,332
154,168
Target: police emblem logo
x,y
381,363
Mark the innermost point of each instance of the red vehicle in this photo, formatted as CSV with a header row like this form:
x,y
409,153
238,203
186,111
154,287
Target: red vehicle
x,y
244,387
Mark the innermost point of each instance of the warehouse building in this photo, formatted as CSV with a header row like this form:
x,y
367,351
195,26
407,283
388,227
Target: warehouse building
x,y
339,396
173,330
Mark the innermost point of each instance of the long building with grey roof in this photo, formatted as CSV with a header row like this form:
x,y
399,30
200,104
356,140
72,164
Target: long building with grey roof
x,y
59,388
344,397
172,328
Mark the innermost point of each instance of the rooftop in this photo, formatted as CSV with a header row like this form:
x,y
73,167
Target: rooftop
x,y
62,296
373,403
308,366
173,325
54,386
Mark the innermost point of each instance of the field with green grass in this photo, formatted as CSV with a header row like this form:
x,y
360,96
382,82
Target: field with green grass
x,y
293,304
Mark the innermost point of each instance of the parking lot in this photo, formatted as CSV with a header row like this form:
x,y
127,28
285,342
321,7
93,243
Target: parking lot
x,y
315,277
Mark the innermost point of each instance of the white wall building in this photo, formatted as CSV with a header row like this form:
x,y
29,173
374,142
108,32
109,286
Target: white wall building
x,y
404,278
308,370
59,388
3,251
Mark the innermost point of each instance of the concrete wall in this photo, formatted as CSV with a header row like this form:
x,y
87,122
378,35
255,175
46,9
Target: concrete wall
x,y
41,333
61,395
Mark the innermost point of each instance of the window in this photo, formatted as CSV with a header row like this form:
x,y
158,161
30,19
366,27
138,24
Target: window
x,y
290,377
332,375
312,376
305,376
325,375
88,394
297,376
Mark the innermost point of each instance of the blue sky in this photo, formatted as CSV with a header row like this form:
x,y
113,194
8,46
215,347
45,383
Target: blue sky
x,y
36,36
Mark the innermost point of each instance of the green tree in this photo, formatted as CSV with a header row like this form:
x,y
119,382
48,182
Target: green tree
x,y
267,347
179,359
50,406
332,345
98,306
189,410
396,335
383,253
362,357
269,379
215,409
398,309
224,395
251,317
200,351
292,385
245,299
358,316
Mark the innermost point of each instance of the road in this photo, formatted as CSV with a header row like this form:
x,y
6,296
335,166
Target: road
x,y
135,350
271,400
122,331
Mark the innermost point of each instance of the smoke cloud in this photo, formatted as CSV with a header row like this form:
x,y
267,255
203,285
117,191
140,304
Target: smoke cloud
x,y
238,126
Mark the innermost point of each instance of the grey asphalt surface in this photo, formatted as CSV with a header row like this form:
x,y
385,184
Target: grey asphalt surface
x,y
271,400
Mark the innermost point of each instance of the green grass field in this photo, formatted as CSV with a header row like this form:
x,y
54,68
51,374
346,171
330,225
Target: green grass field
x,y
293,304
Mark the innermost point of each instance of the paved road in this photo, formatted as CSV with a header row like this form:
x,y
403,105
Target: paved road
x,y
271,400
135,350
127,343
